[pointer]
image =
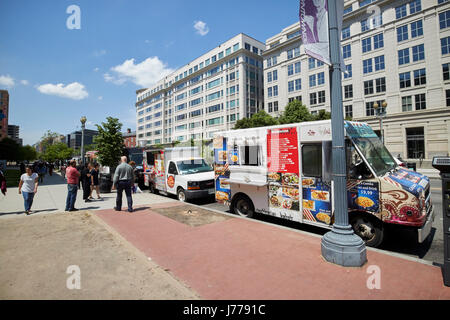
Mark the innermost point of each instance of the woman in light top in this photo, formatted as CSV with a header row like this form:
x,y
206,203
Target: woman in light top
x,y
28,186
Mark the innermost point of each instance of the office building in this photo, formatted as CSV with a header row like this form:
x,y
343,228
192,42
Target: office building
x,y
4,112
207,95
13,133
73,139
397,52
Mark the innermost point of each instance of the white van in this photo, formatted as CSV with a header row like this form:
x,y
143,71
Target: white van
x,y
285,171
179,171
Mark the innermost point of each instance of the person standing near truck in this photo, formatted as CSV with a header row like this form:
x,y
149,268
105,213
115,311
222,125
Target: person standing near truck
x,y
73,177
123,181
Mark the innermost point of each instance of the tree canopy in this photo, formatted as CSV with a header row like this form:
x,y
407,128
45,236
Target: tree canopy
x,y
10,150
57,151
109,142
259,119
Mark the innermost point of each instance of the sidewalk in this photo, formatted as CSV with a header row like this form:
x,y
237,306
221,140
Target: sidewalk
x,y
51,198
430,173
237,258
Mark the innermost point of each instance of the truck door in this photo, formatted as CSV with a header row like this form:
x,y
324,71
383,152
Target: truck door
x,y
171,175
316,182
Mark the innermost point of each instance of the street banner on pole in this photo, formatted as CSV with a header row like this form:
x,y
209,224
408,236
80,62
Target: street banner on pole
x,y
314,28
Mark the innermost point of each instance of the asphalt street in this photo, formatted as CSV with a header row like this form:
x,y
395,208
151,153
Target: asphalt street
x,y
397,239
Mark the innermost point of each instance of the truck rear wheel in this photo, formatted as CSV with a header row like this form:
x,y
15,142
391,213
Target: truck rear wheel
x,y
242,206
368,228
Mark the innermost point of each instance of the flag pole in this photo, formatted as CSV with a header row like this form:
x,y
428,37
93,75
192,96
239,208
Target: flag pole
x,y
341,245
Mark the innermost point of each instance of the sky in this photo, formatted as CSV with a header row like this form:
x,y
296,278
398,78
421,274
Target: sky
x,y
58,68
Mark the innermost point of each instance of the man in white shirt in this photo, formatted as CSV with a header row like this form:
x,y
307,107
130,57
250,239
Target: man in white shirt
x,y
28,186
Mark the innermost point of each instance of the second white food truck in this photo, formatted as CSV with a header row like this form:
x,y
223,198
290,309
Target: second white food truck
x,y
285,171
179,171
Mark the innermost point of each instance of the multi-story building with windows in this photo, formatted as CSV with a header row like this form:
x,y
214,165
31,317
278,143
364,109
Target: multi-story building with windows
x,y
207,95
4,112
396,52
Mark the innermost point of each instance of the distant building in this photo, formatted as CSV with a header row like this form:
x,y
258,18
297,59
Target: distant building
x,y
73,139
4,112
13,133
129,139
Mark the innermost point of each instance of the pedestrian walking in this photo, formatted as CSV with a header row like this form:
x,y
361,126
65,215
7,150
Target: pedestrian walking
x,y
133,185
42,170
95,185
73,176
123,181
86,182
3,183
63,171
28,187
79,168
50,169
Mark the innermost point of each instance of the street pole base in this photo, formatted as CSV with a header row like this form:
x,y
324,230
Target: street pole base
x,y
343,247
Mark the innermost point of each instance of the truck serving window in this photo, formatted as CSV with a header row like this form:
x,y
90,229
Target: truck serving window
x,y
312,160
250,156
150,159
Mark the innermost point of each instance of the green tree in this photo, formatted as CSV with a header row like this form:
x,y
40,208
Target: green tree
x,y
28,153
295,112
322,115
109,142
57,151
259,119
48,139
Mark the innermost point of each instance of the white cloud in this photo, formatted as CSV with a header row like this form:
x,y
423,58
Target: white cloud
x,y
24,82
100,98
6,81
75,90
201,27
99,53
96,69
144,74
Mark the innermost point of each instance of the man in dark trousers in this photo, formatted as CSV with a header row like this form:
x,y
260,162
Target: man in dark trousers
x,y
86,182
123,181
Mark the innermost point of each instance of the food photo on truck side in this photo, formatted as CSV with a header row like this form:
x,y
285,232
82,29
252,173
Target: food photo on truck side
x,y
286,171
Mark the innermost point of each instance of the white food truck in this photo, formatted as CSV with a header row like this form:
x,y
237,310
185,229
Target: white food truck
x,y
179,171
285,171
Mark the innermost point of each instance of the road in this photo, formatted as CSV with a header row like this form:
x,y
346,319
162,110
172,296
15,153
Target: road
x,y
397,240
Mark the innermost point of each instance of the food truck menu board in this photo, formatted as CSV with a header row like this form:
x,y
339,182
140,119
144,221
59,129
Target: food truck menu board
x,y
221,170
364,195
283,173
316,200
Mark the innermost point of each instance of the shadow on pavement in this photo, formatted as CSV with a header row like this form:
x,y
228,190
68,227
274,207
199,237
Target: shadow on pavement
x,y
33,211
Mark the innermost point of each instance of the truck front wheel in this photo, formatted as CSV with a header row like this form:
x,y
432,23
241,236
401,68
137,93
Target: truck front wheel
x,y
243,206
181,195
368,228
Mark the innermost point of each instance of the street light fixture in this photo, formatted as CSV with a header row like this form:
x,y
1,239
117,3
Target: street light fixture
x,y
83,125
380,113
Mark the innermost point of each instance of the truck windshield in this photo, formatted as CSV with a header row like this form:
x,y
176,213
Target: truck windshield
x,y
376,154
193,166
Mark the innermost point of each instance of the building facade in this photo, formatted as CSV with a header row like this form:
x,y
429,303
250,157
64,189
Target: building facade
x,y
207,95
13,133
73,139
4,112
129,139
396,52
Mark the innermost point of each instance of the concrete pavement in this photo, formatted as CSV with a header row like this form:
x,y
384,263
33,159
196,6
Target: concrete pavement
x,y
51,197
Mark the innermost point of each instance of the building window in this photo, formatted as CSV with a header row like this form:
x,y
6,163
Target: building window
x,y
348,111
406,104
320,78
298,84
415,6
403,56
378,41
402,33
400,12
346,33
321,96
379,63
447,98
269,92
446,71
380,85
444,19
275,75
290,86
311,63
367,45
415,140
368,87
367,66
275,91
275,106
445,45
312,80
418,52
269,76
349,72
416,29
270,107
420,101
370,110
313,98
420,77
348,91
405,80
364,25
290,69
297,67
346,51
